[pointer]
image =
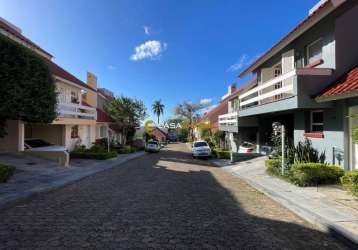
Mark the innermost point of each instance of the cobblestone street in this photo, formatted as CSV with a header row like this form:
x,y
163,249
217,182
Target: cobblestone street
x,y
158,201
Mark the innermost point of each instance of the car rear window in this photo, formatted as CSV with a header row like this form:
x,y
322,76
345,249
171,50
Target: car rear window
x,y
200,144
247,144
153,142
36,143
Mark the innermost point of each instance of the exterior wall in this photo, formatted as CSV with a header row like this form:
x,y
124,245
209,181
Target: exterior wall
x,y
334,133
86,136
64,92
91,96
14,140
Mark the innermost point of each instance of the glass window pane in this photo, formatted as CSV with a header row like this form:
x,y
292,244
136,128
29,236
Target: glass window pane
x,y
317,128
314,51
317,117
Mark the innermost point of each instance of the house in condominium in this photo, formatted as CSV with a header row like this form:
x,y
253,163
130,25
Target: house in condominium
x,y
307,82
77,122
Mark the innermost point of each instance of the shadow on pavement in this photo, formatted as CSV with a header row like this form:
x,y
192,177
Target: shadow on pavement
x,y
159,201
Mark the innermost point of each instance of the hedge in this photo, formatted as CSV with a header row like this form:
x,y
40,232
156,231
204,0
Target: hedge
x,y
27,83
97,152
273,167
312,174
221,153
126,150
94,155
350,181
6,172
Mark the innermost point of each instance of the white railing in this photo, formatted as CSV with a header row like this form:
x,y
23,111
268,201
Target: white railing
x,y
229,119
273,90
72,110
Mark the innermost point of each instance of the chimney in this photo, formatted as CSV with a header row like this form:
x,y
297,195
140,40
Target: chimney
x,y
92,80
91,96
232,88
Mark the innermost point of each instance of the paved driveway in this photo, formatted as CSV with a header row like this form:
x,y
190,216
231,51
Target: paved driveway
x,y
164,200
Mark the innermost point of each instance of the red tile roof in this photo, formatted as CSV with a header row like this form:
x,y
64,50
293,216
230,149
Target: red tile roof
x,y
213,115
300,25
244,87
103,116
58,71
5,26
347,83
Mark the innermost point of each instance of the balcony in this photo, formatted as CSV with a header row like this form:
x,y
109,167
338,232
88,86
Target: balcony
x,y
278,88
72,110
228,122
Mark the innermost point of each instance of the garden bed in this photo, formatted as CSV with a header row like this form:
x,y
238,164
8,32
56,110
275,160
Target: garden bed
x,y
306,174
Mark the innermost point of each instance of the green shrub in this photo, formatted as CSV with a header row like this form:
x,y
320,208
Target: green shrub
x,y
97,152
126,150
273,166
350,181
311,174
94,155
6,172
222,153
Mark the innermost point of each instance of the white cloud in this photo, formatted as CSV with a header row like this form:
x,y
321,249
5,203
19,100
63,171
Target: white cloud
x,y
205,101
147,30
150,49
111,67
242,62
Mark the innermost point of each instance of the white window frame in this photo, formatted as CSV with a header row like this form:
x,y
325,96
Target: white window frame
x,y
310,45
316,123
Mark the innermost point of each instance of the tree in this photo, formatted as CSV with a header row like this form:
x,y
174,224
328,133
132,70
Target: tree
x,y
27,88
127,113
158,108
189,112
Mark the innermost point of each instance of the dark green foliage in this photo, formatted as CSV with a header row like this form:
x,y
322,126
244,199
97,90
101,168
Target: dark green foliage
x,y
27,87
6,172
305,153
126,150
273,167
148,136
312,174
127,114
97,152
350,181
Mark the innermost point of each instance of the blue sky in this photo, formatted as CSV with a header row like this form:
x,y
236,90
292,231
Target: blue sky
x,y
197,47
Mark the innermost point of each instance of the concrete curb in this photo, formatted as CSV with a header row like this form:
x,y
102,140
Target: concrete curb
x,y
345,236
111,163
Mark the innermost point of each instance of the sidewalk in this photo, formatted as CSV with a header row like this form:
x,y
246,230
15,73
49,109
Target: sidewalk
x,y
331,208
35,175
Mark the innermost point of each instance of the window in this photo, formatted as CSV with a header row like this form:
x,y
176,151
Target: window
x,y
103,131
74,131
317,121
74,97
314,51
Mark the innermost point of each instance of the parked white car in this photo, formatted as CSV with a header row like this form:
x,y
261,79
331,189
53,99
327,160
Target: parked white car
x,y
247,147
35,144
152,146
201,149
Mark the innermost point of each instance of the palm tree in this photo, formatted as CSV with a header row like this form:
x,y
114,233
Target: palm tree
x,y
158,108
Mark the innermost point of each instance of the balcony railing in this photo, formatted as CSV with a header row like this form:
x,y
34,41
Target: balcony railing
x,y
276,89
71,110
229,119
